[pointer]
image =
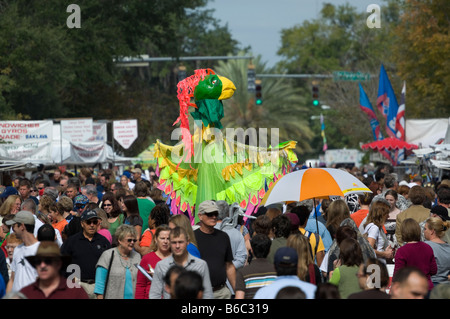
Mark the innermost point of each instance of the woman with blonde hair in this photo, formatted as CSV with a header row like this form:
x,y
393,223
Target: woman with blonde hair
x,y
116,275
44,204
307,270
435,229
11,205
183,221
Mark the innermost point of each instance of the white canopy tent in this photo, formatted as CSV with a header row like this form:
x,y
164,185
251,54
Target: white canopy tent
x,y
440,152
65,152
45,146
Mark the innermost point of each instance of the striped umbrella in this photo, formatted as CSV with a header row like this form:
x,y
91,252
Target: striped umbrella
x,y
312,183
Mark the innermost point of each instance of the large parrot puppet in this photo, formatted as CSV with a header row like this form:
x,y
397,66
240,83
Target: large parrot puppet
x,y
206,165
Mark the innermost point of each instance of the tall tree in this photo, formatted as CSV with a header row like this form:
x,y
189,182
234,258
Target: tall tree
x,y
422,57
48,70
339,40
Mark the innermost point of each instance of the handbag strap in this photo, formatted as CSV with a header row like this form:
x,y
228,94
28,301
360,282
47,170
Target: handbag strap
x,y
107,275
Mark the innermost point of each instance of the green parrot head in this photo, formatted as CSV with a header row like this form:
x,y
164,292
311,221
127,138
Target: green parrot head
x,y
214,87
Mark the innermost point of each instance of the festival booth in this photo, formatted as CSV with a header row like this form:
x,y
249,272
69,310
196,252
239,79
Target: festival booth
x,y
434,137
27,144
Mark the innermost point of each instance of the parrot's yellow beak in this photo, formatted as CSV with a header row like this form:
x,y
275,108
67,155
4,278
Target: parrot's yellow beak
x,y
228,88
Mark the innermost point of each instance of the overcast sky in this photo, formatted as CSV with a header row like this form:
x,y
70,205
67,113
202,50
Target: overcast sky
x,y
258,23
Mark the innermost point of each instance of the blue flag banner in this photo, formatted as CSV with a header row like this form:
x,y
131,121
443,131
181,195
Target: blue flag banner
x,y
367,108
387,102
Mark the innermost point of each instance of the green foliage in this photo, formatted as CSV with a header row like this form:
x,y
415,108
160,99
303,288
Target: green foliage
x,y
421,56
48,70
339,40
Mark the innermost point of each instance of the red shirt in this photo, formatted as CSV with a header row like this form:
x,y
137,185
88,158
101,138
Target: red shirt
x,y
62,292
142,283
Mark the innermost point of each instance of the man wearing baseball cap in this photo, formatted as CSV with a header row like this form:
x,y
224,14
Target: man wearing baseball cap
x,y
285,261
9,190
79,206
137,174
85,248
22,273
215,248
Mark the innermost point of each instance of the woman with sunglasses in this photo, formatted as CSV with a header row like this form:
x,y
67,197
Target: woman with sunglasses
x,y
116,270
112,208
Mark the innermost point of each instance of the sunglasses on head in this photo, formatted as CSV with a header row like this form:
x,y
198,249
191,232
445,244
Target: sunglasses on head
x,y
91,221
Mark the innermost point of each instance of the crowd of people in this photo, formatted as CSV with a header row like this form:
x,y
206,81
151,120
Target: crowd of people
x,y
95,235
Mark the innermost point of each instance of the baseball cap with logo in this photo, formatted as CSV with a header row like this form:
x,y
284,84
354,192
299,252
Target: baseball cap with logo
x,y
89,214
22,217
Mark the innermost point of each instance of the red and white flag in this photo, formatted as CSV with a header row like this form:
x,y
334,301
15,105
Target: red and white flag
x,y
400,121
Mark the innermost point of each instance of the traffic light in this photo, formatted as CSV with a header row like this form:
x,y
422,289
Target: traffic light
x,y
258,92
251,76
315,93
181,73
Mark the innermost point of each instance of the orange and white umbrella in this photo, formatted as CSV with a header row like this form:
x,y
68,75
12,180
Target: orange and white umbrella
x,y
313,183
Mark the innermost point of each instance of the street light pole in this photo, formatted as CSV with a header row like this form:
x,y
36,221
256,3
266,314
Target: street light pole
x,y
144,59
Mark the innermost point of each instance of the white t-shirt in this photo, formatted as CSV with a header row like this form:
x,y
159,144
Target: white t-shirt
x,y
24,273
373,231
